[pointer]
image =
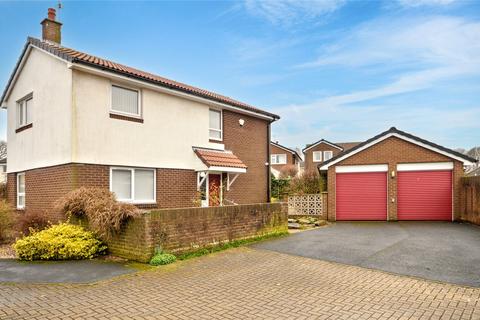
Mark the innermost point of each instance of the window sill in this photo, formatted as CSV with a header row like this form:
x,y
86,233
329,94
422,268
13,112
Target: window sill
x,y
126,118
25,127
215,141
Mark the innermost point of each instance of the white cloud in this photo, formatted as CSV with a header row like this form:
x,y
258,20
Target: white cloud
x,y
291,11
428,53
426,41
420,3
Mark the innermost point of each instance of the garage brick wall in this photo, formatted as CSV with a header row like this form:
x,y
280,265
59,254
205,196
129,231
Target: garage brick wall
x,y
393,151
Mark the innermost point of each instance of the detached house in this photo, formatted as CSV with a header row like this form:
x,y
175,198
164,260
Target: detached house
x,y
282,158
75,120
323,150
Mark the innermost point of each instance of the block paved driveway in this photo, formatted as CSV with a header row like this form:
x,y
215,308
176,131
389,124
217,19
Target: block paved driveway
x,y
245,283
441,251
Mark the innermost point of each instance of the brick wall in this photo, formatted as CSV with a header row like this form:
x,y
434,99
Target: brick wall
x,y
188,229
175,188
470,199
250,143
311,166
392,151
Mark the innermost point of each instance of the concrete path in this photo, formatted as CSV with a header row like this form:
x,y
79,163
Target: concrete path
x,y
245,283
84,271
441,251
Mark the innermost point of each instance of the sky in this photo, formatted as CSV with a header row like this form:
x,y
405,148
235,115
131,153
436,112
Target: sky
x,y
334,69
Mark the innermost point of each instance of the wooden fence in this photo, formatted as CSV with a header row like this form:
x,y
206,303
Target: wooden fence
x,y
308,205
470,200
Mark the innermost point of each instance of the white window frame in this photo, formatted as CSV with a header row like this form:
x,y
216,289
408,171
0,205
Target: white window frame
x,y
330,152
317,152
21,194
132,186
221,125
22,109
128,114
276,157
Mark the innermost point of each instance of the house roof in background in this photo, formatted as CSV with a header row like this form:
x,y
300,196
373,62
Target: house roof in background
x,y
219,158
286,149
402,135
347,145
75,56
309,146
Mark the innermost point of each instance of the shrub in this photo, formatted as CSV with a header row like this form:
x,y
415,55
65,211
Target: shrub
x,y
162,258
279,187
104,213
59,242
3,190
6,221
288,171
30,221
307,183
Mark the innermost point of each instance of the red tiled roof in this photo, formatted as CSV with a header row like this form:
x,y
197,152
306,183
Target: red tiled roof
x,y
218,158
73,56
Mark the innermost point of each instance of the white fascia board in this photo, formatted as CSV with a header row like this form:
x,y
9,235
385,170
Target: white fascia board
x,y
227,169
145,84
425,166
426,146
320,142
362,168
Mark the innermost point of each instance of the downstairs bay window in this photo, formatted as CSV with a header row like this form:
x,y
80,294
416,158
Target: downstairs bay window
x,y
133,185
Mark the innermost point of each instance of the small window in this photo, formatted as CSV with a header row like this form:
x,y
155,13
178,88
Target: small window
x,y
125,101
24,112
21,191
215,127
133,185
279,159
327,155
317,156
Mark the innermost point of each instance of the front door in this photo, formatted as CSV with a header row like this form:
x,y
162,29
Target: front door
x,y
214,190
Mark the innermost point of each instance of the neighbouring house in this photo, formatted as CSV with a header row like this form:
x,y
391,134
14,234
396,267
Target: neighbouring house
x,y
395,176
475,172
323,150
283,158
3,162
75,120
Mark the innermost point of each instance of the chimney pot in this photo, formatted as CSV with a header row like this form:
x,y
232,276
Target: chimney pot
x,y
52,13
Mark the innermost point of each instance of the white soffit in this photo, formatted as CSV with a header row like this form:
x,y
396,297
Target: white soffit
x,y
425,166
362,168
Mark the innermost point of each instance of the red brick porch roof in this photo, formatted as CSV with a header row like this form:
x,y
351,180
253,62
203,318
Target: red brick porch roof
x,y
219,158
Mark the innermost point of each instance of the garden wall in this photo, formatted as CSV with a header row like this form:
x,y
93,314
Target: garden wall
x,y
470,200
188,229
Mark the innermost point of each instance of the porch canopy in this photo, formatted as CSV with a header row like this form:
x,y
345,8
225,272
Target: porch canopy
x,y
220,161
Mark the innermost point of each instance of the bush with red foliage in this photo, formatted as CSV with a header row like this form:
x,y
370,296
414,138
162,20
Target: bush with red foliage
x,y
26,222
105,215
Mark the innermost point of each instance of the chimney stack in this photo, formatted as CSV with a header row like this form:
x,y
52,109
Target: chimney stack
x,y
51,29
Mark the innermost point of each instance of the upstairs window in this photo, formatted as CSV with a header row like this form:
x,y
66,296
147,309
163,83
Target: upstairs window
x,y
133,185
21,191
24,112
125,101
279,159
317,156
327,155
215,127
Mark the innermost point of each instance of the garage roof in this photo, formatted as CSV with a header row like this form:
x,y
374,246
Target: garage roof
x,y
394,132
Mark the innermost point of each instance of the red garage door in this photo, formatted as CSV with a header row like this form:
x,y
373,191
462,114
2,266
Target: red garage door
x,y
361,196
424,195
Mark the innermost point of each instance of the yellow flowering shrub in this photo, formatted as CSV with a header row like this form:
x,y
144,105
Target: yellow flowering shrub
x,y
59,242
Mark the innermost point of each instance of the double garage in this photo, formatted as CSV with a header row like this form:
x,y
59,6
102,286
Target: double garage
x,y
394,176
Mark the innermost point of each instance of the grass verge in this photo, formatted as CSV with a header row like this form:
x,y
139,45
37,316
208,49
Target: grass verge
x,y
228,245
